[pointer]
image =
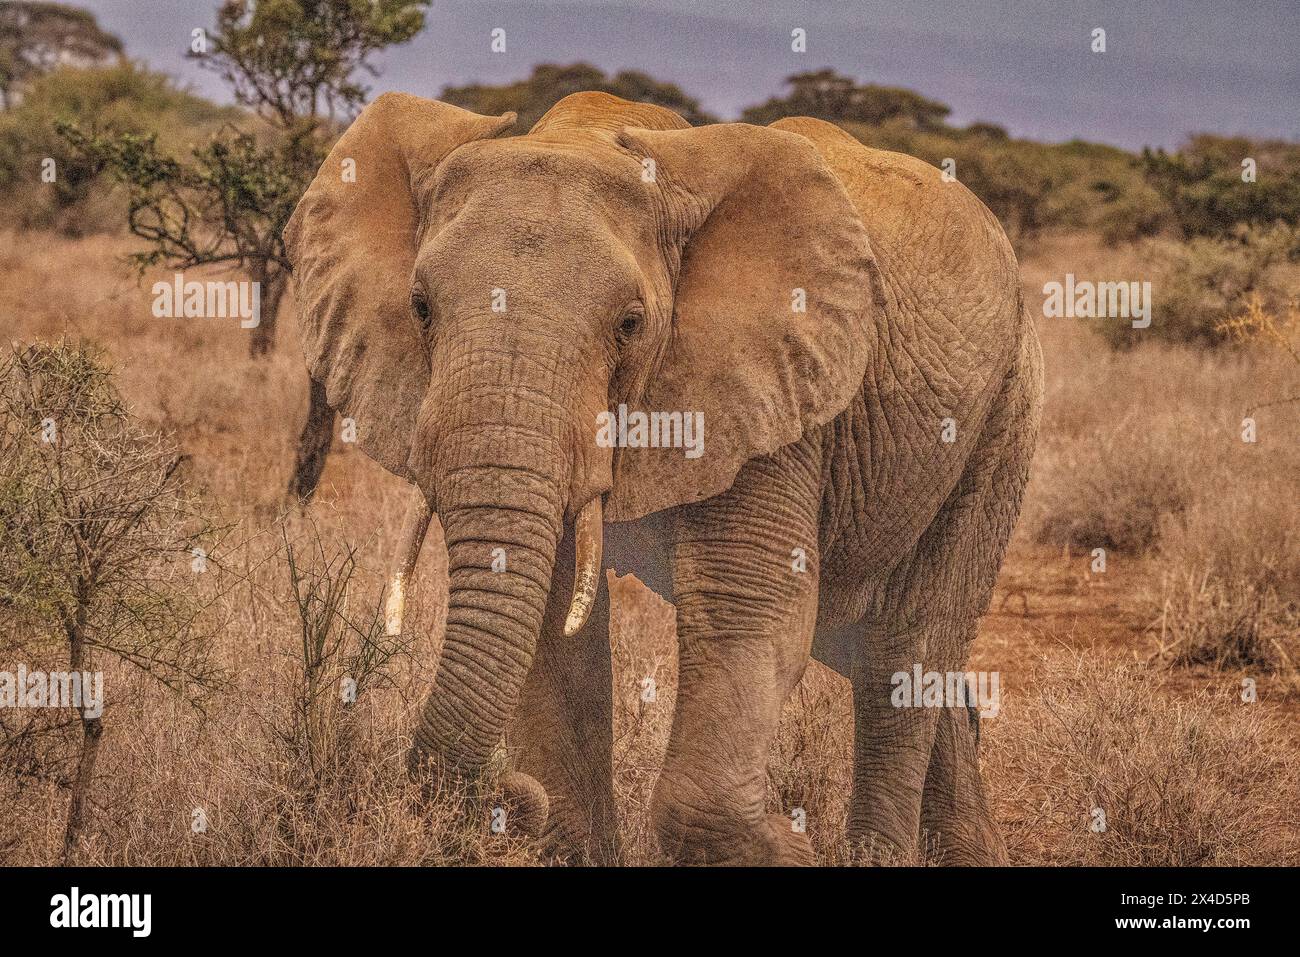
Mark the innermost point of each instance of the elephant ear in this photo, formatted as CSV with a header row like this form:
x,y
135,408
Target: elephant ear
x,y
352,244
776,295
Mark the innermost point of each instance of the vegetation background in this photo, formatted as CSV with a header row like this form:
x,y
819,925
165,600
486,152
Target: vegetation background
x,y
1156,680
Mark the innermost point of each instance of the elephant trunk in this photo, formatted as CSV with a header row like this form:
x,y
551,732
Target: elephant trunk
x,y
499,563
498,460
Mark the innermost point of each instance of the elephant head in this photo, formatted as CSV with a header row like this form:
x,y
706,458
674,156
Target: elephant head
x,y
475,302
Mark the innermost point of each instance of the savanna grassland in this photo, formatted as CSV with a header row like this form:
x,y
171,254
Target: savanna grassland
x,y
1122,688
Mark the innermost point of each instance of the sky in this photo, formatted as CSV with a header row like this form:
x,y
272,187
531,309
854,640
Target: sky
x,y
1171,67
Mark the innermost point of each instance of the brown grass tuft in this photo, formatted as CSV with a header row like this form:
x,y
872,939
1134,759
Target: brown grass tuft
x,y
1189,782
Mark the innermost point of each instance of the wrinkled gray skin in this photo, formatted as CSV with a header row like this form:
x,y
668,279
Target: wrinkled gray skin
x,y
824,437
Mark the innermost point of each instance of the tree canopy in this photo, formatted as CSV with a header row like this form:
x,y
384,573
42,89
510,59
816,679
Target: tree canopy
x,y
827,95
1214,183
295,59
36,37
550,83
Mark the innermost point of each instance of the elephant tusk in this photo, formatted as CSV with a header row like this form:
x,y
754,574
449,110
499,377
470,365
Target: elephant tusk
x,y
414,527
589,532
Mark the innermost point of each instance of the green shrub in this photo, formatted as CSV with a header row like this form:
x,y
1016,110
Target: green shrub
x,y
1199,284
125,98
1209,193
827,95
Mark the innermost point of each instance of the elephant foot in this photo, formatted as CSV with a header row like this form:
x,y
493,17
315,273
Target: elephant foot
x,y
791,848
871,848
715,833
968,847
771,844
573,841
561,840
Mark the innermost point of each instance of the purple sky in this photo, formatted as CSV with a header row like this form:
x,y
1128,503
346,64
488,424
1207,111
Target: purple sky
x,y
1172,66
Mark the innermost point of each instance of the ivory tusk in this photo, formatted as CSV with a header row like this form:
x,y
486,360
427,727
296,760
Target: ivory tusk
x,y
589,532
414,527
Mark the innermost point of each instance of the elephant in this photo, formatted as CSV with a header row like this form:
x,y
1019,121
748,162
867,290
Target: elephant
x,y
844,324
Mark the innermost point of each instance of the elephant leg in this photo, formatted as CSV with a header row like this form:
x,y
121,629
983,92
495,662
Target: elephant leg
x,y
562,733
915,768
906,735
745,580
954,808
891,747
955,818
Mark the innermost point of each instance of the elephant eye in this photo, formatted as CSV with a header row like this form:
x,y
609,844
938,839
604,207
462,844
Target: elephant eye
x,y
630,323
420,306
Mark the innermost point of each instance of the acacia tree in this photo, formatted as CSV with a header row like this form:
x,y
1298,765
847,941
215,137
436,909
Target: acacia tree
x,y
225,205
97,542
549,83
296,60
828,95
296,65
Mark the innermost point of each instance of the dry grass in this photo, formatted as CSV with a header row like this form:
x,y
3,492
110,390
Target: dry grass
x,y
1138,450
643,641
1103,769
1146,450
1230,592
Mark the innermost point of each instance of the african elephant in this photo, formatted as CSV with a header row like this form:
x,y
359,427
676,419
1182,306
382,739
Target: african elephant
x,y
845,326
